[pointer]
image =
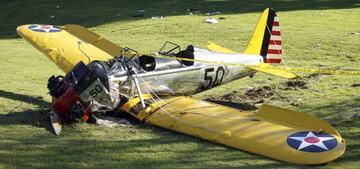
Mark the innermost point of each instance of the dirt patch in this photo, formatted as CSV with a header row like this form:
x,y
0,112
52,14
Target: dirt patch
x,y
250,94
244,100
292,84
355,85
233,96
260,93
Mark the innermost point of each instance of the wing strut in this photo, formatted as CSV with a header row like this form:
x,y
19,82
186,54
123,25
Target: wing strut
x,y
135,78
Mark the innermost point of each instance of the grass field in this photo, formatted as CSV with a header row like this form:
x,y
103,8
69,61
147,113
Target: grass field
x,y
316,34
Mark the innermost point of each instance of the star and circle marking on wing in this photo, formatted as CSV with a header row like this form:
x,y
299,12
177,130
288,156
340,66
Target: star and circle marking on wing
x,y
308,141
45,28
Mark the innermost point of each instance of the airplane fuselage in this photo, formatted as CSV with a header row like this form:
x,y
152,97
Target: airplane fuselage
x,y
171,76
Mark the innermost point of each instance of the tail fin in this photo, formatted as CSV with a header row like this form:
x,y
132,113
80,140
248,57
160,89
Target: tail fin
x,y
266,38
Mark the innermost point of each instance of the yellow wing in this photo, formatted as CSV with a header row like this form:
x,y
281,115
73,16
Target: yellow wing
x,y
266,133
94,39
69,44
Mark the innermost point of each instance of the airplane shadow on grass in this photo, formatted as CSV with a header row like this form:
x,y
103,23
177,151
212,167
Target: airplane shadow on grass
x,y
345,117
160,152
36,118
344,114
164,150
93,12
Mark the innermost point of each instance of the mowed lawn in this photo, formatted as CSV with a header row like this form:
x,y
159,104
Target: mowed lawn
x,y
316,34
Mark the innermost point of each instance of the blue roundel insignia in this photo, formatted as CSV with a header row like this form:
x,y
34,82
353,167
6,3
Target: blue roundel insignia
x,y
312,141
44,28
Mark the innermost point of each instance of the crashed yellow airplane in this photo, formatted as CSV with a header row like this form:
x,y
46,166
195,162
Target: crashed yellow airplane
x,y
102,76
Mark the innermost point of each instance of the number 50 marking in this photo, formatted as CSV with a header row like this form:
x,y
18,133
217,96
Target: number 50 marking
x,y
94,92
219,75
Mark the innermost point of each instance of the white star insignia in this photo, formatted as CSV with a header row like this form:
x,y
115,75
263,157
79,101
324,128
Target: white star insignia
x,y
46,28
312,139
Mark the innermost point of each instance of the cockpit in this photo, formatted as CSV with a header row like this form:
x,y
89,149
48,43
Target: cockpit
x,y
169,49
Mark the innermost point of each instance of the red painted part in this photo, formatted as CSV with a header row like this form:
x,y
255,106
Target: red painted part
x,y
276,33
63,103
87,114
275,23
274,51
273,60
312,140
275,42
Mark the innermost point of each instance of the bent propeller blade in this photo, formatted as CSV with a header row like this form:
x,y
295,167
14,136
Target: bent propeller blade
x,y
55,122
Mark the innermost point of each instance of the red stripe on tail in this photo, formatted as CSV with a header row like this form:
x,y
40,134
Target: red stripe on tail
x,y
274,51
275,42
273,60
275,33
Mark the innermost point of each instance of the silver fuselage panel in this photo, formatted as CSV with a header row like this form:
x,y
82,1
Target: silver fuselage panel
x,y
170,76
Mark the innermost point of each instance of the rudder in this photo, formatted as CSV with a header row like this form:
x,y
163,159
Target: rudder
x,y
266,38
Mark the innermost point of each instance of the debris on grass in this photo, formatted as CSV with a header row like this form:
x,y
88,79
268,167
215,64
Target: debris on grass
x,y
211,20
212,13
156,17
111,122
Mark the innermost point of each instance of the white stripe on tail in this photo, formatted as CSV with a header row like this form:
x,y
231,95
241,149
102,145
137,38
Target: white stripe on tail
x,y
274,52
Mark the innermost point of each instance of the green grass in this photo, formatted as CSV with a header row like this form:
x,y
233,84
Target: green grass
x,y
316,33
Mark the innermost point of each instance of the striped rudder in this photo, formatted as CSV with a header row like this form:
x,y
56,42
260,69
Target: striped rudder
x,y
266,39
274,50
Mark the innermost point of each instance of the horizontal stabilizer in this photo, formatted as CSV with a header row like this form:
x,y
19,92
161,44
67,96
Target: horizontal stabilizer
x,y
262,67
265,68
217,48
